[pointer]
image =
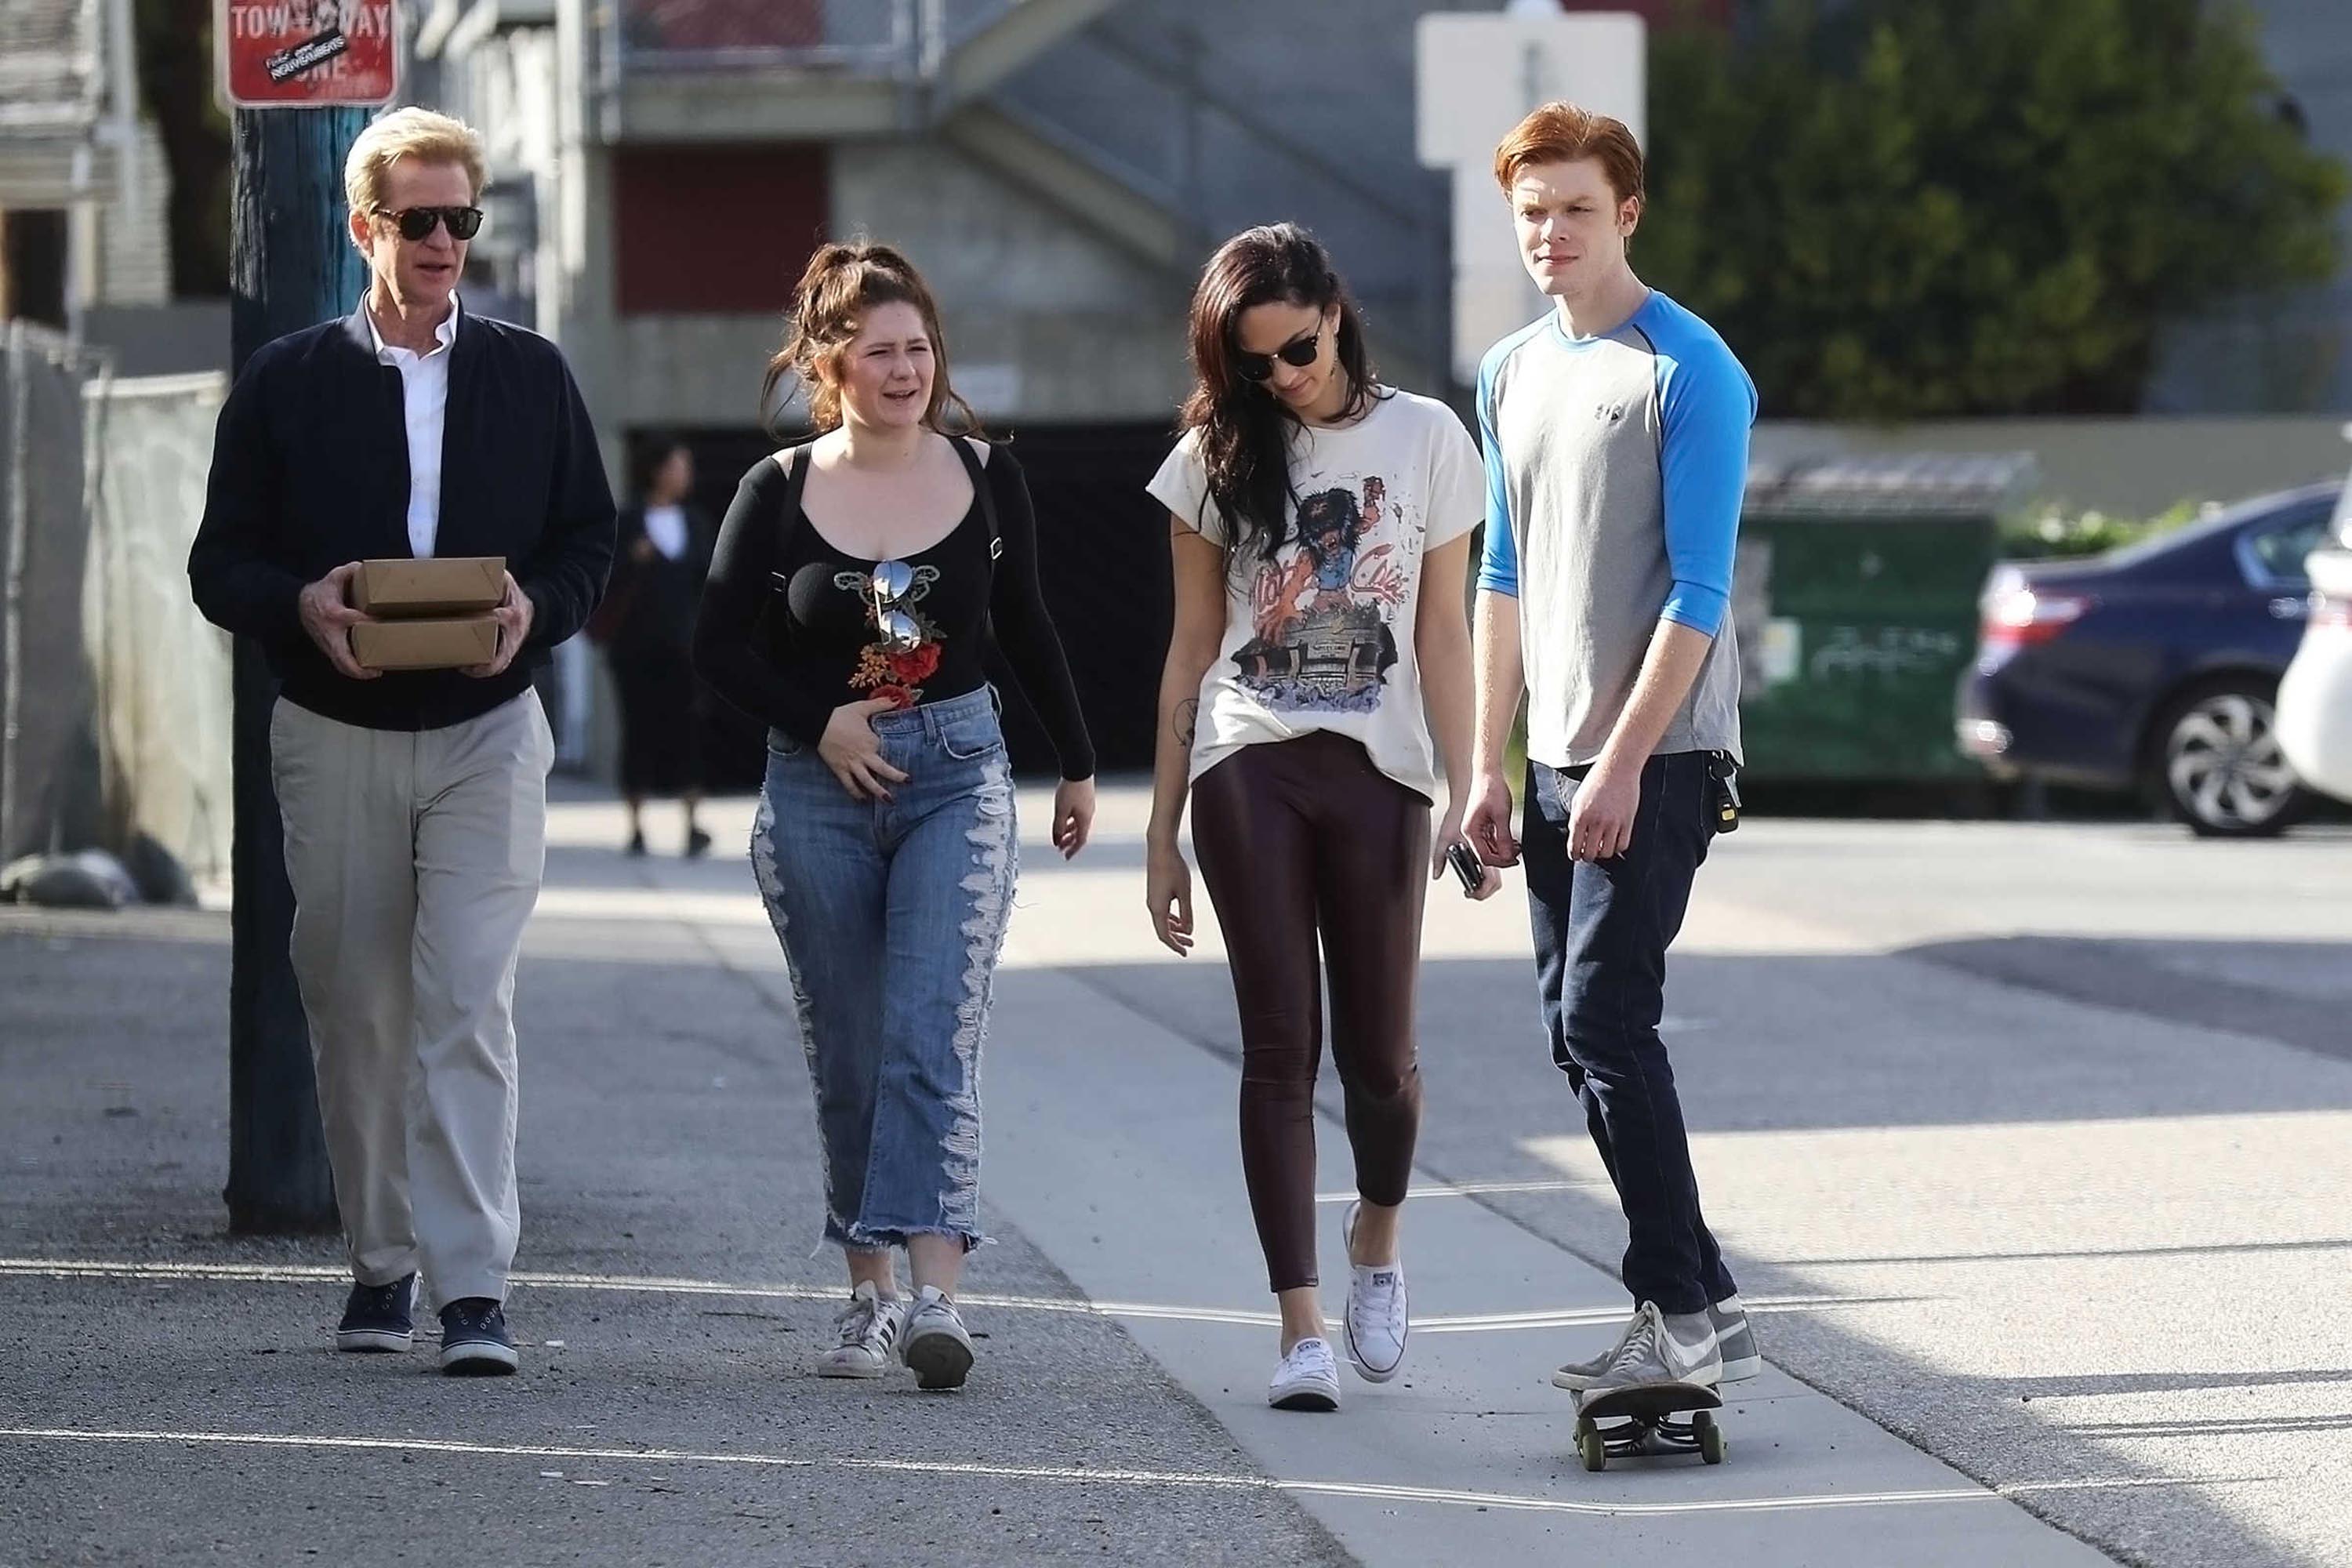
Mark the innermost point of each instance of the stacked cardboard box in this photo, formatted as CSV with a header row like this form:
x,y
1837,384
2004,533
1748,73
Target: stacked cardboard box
x,y
430,614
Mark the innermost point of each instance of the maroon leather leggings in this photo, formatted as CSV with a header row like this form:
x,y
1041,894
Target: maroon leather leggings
x,y
1301,839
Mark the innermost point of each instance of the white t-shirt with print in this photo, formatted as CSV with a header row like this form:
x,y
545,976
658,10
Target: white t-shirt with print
x,y
1321,636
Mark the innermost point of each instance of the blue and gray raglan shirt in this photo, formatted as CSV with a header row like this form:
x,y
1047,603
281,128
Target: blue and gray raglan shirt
x,y
1615,465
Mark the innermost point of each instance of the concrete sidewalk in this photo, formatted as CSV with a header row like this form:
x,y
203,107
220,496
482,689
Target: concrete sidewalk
x,y
2056,1220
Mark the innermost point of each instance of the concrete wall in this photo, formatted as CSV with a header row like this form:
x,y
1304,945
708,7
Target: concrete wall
x,y
1235,112
2127,468
1045,320
680,370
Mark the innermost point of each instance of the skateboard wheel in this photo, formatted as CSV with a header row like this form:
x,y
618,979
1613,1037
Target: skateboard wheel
x,y
1584,1427
1711,1445
1594,1450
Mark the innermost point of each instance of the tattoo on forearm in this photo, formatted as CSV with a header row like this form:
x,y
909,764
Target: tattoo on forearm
x,y
1188,721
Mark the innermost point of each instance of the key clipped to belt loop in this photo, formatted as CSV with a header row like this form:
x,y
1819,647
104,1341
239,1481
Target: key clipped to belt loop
x,y
1722,773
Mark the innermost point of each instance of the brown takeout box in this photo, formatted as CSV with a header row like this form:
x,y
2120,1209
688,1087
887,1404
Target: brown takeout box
x,y
451,585
449,644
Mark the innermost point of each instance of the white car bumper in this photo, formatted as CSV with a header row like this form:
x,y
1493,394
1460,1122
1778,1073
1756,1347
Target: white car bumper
x,y
2314,698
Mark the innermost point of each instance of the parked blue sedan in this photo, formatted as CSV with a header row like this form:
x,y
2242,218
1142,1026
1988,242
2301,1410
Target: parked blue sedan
x,y
2154,667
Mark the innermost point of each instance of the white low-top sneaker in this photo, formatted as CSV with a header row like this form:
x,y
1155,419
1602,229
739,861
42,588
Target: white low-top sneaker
x,y
867,1329
1378,1317
1308,1379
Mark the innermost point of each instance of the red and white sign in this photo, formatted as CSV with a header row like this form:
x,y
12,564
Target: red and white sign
x,y
296,54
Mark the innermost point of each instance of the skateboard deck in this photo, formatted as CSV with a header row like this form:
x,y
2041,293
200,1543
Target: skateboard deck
x,y
1625,1422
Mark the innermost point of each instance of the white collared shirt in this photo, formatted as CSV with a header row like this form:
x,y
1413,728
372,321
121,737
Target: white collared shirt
x,y
425,396
665,526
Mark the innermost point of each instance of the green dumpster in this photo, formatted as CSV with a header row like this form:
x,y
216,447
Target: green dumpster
x,y
1855,601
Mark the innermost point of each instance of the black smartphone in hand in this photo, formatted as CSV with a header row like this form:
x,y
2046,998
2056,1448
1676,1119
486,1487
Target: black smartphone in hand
x,y
1466,866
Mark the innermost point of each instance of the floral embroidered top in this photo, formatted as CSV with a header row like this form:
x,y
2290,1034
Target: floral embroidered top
x,y
793,628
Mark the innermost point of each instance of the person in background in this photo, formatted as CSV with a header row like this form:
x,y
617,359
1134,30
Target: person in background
x,y
647,627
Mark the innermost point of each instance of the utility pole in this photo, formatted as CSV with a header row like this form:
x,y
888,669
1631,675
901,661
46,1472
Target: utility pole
x,y
298,78
292,265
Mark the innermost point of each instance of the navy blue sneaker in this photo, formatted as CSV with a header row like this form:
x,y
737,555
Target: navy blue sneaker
x,y
377,1317
474,1339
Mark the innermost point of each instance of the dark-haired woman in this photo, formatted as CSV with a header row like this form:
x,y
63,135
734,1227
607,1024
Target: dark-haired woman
x,y
1321,535
646,625
854,583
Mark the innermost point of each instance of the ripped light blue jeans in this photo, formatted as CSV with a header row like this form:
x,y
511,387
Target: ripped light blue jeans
x,y
892,915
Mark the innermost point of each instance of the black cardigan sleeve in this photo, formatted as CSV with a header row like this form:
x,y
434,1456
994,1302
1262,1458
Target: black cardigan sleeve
x,y
235,585
1025,628
725,649
565,572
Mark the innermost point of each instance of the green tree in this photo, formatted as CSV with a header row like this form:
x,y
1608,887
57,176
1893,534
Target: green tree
x,y
1902,208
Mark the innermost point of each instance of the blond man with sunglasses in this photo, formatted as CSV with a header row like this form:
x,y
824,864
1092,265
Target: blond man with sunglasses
x,y
414,803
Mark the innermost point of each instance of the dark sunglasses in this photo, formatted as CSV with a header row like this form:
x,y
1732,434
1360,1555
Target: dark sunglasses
x,y
415,223
1298,354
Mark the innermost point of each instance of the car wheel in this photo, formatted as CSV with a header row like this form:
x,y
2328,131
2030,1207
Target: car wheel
x,y
2218,766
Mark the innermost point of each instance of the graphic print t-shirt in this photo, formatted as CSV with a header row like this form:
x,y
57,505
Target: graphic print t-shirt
x,y
1321,636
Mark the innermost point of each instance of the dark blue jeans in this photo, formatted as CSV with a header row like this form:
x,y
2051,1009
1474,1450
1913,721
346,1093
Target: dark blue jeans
x,y
1601,930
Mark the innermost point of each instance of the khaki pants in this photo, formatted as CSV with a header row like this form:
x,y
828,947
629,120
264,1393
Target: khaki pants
x,y
416,858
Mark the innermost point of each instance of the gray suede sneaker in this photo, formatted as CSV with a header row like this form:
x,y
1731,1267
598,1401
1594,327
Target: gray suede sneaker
x,y
1577,1375
1737,1339
1651,1354
1741,1360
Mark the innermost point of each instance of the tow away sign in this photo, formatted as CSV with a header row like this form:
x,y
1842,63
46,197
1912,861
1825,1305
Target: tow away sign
x,y
293,54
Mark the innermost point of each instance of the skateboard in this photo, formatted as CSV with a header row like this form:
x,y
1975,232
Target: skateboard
x,y
1640,1421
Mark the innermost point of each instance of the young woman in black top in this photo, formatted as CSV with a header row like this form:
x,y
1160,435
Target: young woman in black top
x,y
855,582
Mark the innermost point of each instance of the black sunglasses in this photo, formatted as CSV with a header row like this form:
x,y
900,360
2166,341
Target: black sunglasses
x,y
415,223
1298,354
